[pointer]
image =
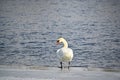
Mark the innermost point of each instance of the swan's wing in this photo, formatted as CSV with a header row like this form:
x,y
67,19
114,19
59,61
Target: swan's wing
x,y
65,54
69,53
59,53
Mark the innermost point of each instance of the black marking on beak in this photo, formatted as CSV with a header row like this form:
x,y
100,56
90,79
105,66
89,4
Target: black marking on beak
x,y
58,41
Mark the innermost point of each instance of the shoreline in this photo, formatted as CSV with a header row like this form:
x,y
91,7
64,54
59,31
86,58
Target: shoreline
x,y
49,67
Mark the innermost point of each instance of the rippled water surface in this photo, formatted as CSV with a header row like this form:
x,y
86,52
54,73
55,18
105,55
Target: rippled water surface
x,y
29,29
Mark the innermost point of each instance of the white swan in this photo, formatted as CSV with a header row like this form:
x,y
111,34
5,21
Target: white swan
x,y
65,54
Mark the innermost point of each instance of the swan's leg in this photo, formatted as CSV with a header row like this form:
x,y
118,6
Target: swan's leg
x,y
61,65
69,65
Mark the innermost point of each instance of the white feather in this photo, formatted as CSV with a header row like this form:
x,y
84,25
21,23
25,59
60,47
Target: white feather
x,y
65,54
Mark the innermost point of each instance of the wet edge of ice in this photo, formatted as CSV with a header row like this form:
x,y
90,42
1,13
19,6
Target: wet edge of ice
x,y
5,67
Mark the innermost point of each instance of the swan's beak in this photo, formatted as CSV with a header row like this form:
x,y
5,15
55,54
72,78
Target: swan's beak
x,y
57,43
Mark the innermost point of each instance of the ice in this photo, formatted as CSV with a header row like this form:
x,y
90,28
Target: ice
x,y
54,73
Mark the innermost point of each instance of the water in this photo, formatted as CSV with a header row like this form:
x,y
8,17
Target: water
x,y
29,29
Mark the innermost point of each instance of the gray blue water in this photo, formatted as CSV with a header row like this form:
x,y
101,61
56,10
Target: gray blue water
x,y
29,29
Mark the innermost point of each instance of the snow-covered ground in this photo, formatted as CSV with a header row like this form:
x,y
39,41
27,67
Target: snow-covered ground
x,y
54,73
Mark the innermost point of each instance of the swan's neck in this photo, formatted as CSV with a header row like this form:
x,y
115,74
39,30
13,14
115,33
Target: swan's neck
x,y
65,44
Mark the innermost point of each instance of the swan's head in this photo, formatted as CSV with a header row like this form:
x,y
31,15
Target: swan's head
x,y
60,40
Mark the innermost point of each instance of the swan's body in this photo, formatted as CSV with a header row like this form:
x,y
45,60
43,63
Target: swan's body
x,y
65,54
